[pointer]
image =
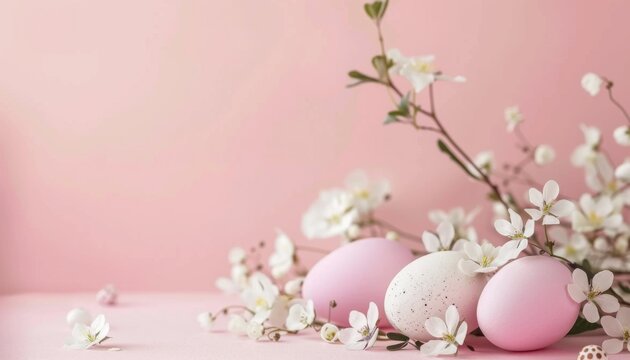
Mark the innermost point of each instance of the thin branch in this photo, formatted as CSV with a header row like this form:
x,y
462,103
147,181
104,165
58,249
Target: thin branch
x,y
609,87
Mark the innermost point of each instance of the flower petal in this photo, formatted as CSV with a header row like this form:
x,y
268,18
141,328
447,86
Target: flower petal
x,y
503,227
430,241
357,320
581,280
348,335
468,267
516,220
435,326
529,228
446,233
473,250
536,197
461,333
623,315
452,319
608,303
562,208
603,280
612,346
535,214
434,347
590,312
576,293
612,326
550,191
372,316
550,220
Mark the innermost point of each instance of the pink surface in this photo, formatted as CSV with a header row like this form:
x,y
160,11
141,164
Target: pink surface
x,y
526,305
162,326
354,275
140,140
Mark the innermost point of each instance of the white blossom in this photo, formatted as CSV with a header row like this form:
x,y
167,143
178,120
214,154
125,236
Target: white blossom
x,y
236,282
592,293
513,117
596,214
592,83
618,328
363,331
332,214
329,333
444,239
237,325
237,255
418,70
449,332
622,135
260,296
600,176
283,256
514,229
300,316
293,287
549,209
587,152
255,330
367,194
461,221
573,247
392,235
486,258
205,320
622,172
544,155
84,336
484,161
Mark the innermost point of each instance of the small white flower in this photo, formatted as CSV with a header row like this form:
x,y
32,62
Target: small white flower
x,y
462,221
450,332
444,239
622,135
592,83
237,255
363,331
205,320
514,228
332,214
600,176
237,325
293,287
260,296
255,330
484,161
283,256
574,247
596,214
544,155
587,152
593,293
78,316
237,281
486,258
368,195
513,117
418,70
619,329
549,209
391,235
84,337
613,256
300,316
623,172
353,232
329,333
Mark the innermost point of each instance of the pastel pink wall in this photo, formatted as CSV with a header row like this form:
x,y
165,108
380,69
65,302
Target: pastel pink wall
x,y
140,140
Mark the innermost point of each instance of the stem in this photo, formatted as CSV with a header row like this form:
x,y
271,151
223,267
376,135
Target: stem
x,y
311,249
609,86
396,229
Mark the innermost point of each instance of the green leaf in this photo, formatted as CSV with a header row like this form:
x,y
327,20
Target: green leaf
x,y
445,149
389,119
361,77
581,325
624,287
382,65
588,268
398,346
397,336
376,10
403,107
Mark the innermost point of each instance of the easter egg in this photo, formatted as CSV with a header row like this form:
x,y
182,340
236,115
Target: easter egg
x,y
353,275
78,316
526,305
592,352
427,287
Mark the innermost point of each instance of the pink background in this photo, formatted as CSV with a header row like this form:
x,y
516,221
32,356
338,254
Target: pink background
x,y
140,140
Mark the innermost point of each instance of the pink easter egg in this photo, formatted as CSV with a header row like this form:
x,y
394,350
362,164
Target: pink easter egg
x,y
353,275
526,306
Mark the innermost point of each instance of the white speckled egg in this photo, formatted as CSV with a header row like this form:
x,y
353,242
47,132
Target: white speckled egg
x,y
427,287
592,352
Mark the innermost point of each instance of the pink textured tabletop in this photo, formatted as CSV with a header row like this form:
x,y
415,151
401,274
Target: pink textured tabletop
x,y
160,326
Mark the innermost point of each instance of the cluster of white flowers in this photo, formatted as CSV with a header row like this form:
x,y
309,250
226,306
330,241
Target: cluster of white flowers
x,y
345,211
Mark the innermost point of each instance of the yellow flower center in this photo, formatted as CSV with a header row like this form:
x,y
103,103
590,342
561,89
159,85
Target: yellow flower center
x,y
365,331
362,194
449,338
424,67
261,303
592,295
595,219
486,260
